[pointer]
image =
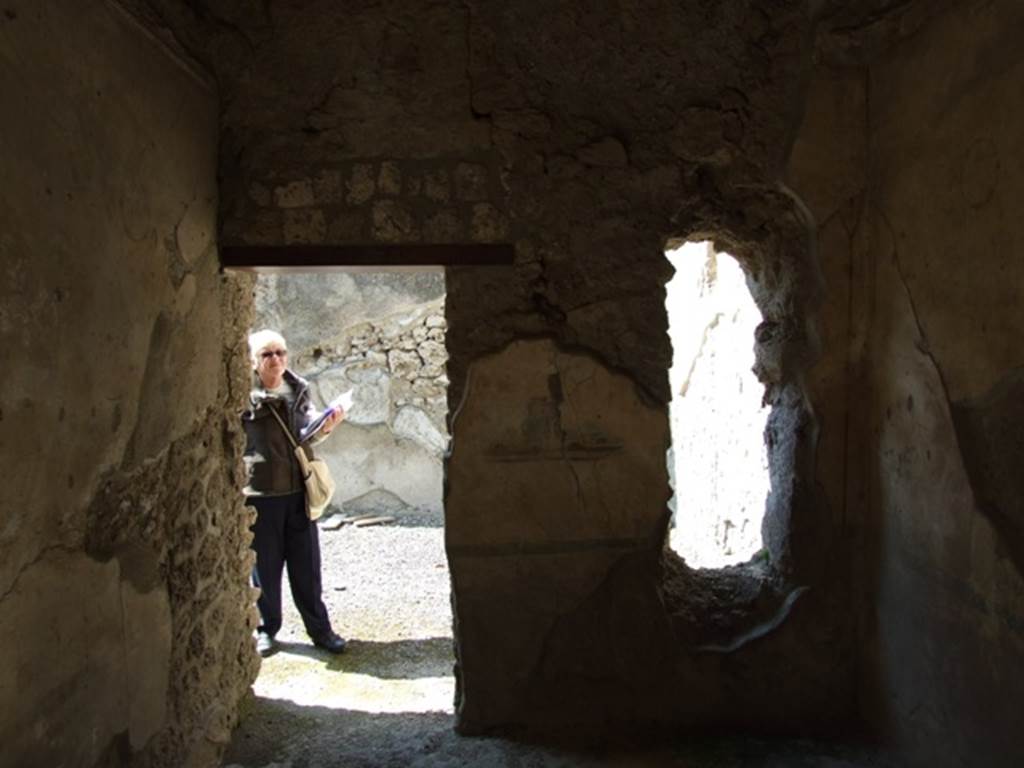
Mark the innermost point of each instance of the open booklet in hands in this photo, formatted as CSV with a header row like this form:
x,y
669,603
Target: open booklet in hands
x,y
342,401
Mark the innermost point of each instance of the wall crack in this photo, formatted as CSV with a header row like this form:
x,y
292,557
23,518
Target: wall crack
x,y
40,556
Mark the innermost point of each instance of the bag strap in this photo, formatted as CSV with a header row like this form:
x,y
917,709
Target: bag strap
x,y
280,421
298,451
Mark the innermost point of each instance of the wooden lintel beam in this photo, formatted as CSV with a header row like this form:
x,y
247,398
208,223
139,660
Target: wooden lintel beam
x,y
317,257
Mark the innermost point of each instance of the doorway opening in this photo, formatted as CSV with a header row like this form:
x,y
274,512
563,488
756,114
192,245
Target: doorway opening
x,y
380,334
718,460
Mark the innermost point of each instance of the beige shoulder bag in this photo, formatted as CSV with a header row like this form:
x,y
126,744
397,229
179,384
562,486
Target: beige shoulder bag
x,y
315,473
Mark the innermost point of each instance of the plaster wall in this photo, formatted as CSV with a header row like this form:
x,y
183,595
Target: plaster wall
x,y
123,563
827,170
590,138
944,671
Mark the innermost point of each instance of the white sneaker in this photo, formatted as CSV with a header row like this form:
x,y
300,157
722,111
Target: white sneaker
x,y
265,644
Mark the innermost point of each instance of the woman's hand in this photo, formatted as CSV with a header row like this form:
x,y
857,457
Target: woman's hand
x,y
333,420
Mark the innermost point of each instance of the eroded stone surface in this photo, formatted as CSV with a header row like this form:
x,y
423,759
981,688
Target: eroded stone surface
x,y
588,144
123,548
413,424
567,475
514,114
563,438
382,336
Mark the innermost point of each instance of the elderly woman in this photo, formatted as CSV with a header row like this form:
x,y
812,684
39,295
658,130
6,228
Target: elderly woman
x,y
283,534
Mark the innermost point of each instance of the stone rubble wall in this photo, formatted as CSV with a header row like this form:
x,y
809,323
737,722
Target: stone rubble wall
x,y
387,454
604,132
127,614
608,133
595,147
437,201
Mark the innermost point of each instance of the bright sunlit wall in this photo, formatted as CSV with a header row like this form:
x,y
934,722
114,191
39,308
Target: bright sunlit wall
x,y
718,463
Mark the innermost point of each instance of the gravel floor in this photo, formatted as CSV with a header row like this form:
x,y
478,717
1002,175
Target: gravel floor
x,y
387,701
387,582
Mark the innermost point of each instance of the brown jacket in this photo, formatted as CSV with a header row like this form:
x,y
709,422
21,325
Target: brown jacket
x,y
270,464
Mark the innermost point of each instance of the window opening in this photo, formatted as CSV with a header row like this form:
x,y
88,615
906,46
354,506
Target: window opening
x,y
718,462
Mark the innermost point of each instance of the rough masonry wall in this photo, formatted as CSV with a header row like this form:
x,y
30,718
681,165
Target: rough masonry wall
x,y
944,673
123,565
381,335
589,137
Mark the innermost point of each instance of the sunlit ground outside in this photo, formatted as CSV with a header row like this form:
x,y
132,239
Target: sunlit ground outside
x,y
718,462
386,588
387,701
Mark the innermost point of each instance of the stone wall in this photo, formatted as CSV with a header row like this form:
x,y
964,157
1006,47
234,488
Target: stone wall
x,y
868,155
381,335
126,628
910,172
945,376
433,201
593,145
864,164
827,153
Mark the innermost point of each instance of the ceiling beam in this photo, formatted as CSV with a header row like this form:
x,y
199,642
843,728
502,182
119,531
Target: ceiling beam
x,y
277,258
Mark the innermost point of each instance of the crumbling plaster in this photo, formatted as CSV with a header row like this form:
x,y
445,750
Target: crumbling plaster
x,y
943,355
922,363
590,138
123,549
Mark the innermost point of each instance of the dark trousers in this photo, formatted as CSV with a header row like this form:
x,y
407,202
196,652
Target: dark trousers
x,y
284,535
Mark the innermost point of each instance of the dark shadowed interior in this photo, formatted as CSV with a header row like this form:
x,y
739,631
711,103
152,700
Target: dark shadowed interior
x,y
859,159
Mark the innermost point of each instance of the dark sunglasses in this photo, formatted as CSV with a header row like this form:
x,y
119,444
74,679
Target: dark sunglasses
x,y
271,352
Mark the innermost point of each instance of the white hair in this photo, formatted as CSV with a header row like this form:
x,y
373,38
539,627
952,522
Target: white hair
x,y
260,340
